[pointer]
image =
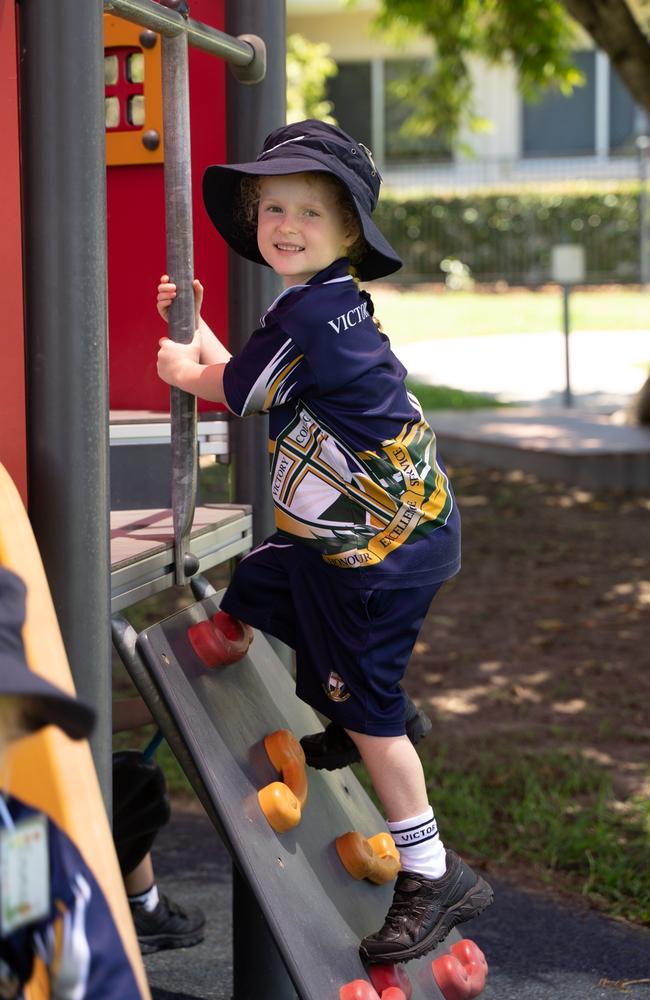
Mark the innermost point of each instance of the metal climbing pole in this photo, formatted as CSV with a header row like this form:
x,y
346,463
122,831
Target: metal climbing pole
x,y
247,57
180,266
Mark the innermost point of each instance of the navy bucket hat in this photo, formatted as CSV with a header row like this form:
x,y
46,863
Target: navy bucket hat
x,y
304,146
48,705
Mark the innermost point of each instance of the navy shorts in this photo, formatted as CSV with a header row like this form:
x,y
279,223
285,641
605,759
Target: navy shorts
x,y
352,645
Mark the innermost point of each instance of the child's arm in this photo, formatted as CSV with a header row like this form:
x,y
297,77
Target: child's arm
x,y
196,367
212,350
177,365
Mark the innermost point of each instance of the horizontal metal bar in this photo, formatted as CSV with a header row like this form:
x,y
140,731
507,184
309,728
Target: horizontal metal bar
x,y
158,432
168,22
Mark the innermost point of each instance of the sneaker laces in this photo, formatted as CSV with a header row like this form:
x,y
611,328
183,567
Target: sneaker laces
x,y
171,906
406,904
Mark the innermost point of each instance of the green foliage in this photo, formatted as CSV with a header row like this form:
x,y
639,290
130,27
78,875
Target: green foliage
x,y
411,315
308,67
551,813
536,37
509,235
444,397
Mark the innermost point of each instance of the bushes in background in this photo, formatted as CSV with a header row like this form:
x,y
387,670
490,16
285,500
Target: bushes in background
x,y
508,236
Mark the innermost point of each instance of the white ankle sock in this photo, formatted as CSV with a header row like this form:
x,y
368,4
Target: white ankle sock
x,y
148,899
420,847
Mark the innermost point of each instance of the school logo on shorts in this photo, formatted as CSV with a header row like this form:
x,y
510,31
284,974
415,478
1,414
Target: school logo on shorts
x,y
335,688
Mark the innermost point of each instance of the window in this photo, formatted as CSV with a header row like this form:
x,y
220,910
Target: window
x,y
363,113
622,115
558,125
349,92
401,146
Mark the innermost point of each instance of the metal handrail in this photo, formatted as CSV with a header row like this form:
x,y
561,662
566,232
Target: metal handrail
x,y
242,52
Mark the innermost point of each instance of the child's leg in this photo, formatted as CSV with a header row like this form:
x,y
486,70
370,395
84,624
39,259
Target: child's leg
x,y
435,890
397,776
396,773
332,747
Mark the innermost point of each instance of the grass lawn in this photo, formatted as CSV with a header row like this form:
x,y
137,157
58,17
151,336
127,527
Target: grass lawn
x,y
409,316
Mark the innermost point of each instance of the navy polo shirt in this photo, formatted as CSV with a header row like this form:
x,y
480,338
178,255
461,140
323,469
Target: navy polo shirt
x,y
355,473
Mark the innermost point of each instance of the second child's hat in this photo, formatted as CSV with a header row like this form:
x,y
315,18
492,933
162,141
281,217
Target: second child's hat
x,y
309,145
45,704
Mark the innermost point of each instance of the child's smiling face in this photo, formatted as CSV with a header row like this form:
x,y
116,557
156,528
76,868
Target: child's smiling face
x,y
301,227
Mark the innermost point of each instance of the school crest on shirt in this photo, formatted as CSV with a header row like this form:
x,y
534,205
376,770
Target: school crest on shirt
x,y
335,689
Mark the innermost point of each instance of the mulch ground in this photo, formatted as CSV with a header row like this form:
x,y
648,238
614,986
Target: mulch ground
x,y
545,634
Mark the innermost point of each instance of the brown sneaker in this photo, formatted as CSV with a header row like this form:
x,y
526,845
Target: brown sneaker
x,y
424,910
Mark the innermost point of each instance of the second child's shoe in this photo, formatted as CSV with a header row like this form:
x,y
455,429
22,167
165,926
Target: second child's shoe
x,y
424,910
167,926
332,748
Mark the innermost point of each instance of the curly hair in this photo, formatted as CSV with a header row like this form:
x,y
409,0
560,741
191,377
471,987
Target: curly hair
x,y
248,200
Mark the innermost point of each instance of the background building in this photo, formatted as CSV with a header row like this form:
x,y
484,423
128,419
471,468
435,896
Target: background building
x,y
588,134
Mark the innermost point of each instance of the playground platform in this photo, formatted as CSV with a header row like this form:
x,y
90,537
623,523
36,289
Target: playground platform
x,y
578,446
142,547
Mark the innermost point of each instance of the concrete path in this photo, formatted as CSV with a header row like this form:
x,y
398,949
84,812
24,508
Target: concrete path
x,y
537,949
579,444
606,368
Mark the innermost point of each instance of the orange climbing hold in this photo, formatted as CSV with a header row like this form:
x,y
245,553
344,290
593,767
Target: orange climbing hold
x,y
280,806
376,859
287,756
282,801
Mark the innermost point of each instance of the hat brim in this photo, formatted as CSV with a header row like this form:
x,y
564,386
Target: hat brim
x,y
220,195
48,705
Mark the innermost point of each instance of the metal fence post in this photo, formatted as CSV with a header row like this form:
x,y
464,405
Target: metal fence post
x,y
642,146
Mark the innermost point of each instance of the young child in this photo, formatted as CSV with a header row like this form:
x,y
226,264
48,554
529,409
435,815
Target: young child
x,y
50,903
367,526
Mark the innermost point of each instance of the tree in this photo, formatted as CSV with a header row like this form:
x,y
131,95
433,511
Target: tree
x,y
309,65
537,36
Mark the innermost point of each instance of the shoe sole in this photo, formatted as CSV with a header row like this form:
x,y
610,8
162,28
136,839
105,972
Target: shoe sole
x,y
329,762
164,942
475,900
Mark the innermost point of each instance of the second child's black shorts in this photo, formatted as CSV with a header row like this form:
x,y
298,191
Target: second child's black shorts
x,y
352,645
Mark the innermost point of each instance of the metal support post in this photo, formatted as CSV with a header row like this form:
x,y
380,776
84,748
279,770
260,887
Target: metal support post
x,y
568,396
64,204
252,112
258,969
642,146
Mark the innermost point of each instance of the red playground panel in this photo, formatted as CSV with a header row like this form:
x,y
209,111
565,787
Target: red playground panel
x,y
136,233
